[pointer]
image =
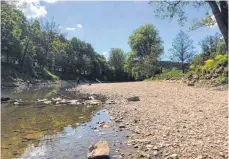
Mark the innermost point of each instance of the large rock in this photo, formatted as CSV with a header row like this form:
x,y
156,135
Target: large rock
x,y
133,99
100,150
94,102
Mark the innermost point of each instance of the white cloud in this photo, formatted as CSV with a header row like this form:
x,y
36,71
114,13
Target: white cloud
x,y
105,53
79,25
31,8
71,29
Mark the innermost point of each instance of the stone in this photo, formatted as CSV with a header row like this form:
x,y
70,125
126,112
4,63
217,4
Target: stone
x,y
133,99
41,100
190,84
219,70
47,102
16,103
173,156
91,98
199,157
110,102
122,126
105,126
149,146
94,102
99,150
56,99
73,102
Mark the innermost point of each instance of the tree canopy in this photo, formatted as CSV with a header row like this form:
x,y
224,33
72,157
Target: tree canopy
x,y
182,48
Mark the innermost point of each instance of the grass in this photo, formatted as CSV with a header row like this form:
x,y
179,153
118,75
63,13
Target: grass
x,y
174,73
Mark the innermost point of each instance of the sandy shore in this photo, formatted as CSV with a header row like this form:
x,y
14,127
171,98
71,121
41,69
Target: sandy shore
x,y
177,120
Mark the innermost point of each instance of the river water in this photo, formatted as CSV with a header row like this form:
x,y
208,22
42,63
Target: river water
x,y
31,131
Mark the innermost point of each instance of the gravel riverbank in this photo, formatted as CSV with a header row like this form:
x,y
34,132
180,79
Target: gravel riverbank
x,y
171,120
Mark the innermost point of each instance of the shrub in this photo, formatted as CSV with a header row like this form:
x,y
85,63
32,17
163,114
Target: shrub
x,y
208,65
174,73
221,59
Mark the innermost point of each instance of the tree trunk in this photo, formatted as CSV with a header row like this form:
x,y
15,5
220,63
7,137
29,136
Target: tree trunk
x,y
182,67
221,19
24,54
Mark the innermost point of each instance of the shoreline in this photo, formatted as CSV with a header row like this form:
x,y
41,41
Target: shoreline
x,y
171,120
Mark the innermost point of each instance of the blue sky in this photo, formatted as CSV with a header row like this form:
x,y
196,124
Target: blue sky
x,y
108,25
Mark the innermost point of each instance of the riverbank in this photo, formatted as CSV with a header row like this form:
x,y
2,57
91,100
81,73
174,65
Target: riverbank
x,y
170,120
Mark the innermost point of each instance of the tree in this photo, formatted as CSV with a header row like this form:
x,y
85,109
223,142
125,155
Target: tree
x,y
147,45
171,9
211,45
182,49
117,59
145,41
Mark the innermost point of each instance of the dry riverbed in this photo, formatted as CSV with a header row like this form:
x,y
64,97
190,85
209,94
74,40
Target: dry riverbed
x,y
171,120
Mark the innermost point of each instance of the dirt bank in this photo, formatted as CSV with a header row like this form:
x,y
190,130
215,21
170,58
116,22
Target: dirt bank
x,y
173,119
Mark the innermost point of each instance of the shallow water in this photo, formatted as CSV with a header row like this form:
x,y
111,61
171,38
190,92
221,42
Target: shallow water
x,y
46,132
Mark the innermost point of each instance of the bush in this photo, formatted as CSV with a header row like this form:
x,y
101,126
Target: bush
x,y
221,59
174,73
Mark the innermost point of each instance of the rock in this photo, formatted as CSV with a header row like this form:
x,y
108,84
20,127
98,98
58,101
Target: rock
x,y
133,99
16,103
208,76
122,126
99,150
94,102
73,102
91,98
47,102
173,156
5,99
219,70
190,84
41,100
105,126
111,102
199,157
56,99
149,146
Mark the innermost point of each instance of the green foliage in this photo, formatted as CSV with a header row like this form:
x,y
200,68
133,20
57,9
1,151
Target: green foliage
x,y
173,73
146,48
54,77
117,59
40,46
209,64
145,41
209,68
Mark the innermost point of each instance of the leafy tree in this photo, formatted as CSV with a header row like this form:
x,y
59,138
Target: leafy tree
x,y
117,58
212,45
182,49
147,45
171,9
145,41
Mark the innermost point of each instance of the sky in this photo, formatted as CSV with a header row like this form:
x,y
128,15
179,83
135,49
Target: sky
x,y
107,24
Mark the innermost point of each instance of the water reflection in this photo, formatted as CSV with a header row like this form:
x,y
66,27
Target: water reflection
x,y
74,142
28,125
31,132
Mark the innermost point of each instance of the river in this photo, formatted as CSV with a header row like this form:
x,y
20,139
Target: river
x,y
53,131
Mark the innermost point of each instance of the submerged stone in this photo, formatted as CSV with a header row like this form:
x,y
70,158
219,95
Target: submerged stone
x,y
100,150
